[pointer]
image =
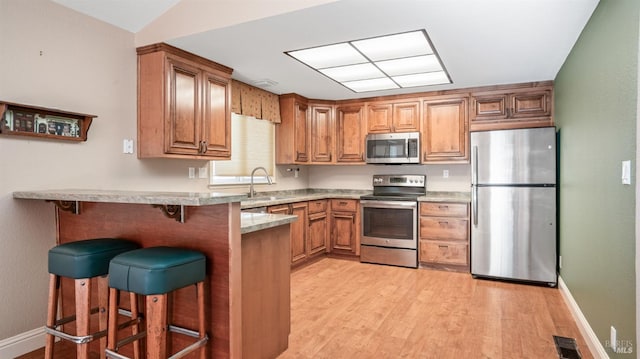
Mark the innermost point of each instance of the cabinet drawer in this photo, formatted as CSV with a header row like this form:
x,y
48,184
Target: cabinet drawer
x,y
318,206
443,252
347,205
443,209
454,229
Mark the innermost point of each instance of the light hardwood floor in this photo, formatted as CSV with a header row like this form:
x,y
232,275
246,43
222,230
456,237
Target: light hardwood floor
x,y
347,309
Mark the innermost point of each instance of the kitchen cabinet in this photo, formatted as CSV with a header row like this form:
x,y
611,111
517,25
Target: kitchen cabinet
x,y
403,116
518,107
444,235
292,134
318,233
299,251
445,135
321,134
345,227
184,105
350,133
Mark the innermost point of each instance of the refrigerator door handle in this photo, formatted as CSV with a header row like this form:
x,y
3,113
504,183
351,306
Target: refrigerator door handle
x,y
474,203
474,165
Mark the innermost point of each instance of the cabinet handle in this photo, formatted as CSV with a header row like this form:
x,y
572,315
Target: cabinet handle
x,y
342,203
443,223
205,147
442,246
443,207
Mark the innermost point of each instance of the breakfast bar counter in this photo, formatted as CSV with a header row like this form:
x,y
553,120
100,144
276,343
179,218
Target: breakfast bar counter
x,y
204,221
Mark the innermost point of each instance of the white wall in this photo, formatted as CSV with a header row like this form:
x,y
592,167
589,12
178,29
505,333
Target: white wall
x,y
359,177
85,66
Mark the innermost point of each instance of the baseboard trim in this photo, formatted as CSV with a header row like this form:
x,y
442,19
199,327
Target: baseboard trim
x,y
22,343
594,344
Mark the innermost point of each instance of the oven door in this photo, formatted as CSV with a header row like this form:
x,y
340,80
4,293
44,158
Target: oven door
x,y
389,223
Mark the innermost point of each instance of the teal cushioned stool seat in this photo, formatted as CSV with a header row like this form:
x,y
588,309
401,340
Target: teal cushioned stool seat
x,y
156,270
86,262
87,258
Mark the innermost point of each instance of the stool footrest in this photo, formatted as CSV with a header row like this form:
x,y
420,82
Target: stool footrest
x,y
172,328
190,348
74,338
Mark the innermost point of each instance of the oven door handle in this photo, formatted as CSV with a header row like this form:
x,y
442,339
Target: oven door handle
x,y
388,204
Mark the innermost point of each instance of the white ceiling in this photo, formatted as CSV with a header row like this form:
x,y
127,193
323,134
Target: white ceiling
x,y
481,42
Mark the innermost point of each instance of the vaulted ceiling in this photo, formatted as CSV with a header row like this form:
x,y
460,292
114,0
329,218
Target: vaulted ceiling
x,y
481,42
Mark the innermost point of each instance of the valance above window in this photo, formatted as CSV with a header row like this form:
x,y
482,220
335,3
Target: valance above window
x,y
251,101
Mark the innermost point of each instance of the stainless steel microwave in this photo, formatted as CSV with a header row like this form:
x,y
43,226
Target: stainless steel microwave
x,y
393,148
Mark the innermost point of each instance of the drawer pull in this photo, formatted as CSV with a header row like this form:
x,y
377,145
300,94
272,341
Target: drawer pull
x,y
342,203
443,223
442,246
443,207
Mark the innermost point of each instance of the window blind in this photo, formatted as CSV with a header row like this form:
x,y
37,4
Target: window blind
x,y
252,145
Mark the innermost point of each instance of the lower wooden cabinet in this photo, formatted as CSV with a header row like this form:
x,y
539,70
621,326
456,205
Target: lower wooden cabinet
x,y
444,235
345,227
318,233
299,251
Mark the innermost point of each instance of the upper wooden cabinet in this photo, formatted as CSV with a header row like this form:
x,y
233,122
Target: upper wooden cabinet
x,y
321,134
184,105
518,107
402,116
350,133
292,134
444,130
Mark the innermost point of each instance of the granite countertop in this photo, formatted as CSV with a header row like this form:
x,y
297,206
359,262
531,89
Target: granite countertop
x,y
134,197
252,222
265,199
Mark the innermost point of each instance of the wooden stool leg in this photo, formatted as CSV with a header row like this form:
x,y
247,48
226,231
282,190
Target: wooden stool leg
x,y
83,311
103,314
135,329
52,312
201,318
112,335
156,326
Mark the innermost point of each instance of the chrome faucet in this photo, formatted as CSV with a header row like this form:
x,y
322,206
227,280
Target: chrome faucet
x,y
252,192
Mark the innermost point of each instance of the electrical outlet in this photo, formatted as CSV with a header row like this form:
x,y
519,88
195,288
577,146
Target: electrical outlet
x,y
445,174
202,172
192,172
614,339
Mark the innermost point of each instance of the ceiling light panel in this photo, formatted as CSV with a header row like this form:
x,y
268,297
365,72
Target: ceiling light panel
x,y
383,83
394,46
353,72
329,56
379,63
410,65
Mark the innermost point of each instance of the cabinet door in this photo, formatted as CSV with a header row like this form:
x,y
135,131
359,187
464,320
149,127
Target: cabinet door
x,y
317,239
321,134
517,108
379,117
444,131
350,134
299,233
183,121
301,124
343,232
406,117
217,117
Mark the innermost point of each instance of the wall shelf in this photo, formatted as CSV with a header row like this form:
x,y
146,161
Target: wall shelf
x,y
32,121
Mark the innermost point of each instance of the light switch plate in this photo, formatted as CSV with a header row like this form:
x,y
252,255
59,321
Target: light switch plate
x,y
127,146
626,172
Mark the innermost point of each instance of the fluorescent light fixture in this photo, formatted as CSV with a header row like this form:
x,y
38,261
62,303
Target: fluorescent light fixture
x,y
380,63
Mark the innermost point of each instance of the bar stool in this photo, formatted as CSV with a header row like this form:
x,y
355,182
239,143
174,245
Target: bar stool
x,y
155,272
81,261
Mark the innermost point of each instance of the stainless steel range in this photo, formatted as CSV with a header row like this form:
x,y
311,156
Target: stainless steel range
x,y
390,220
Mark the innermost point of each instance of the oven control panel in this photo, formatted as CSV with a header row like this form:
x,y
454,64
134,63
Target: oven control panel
x,y
399,180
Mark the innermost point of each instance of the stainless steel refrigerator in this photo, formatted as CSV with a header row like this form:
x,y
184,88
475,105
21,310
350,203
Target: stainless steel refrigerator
x,y
513,204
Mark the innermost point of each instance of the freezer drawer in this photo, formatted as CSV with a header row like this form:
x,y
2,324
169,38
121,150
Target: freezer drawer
x,y
513,233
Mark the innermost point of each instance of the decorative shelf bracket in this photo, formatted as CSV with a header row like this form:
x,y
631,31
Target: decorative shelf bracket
x,y
69,206
172,211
